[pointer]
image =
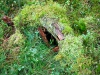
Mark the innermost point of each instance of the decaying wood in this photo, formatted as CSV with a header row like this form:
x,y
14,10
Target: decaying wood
x,y
56,49
7,20
10,23
53,27
58,32
43,35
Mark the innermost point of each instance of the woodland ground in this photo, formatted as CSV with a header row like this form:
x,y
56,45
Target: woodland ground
x,y
25,53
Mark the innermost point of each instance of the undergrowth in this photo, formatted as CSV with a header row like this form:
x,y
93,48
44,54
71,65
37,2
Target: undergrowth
x,y
24,52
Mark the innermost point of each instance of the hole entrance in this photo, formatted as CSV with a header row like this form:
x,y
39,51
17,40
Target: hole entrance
x,y
47,37
52,41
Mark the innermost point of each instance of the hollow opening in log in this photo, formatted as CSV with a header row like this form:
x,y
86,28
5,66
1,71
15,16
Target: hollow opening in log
x,y
47,37
52,41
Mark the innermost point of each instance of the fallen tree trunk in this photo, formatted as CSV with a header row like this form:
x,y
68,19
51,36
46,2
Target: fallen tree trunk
x,y
53,27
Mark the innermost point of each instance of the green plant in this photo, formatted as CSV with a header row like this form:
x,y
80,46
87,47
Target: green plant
x,y
89,39
31,15
71,56
1,32
25,53
80,26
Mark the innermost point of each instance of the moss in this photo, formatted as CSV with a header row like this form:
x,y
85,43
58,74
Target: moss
x,y
82,65
16,39
30,15
67,30
71,48
80,26
71,53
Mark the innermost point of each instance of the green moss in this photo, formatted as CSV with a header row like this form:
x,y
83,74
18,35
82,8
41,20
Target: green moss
x,y
82,65
67,29
17,39
80,26
30,15
71,56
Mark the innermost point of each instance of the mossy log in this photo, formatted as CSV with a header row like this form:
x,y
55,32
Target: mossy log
x,y
53,27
